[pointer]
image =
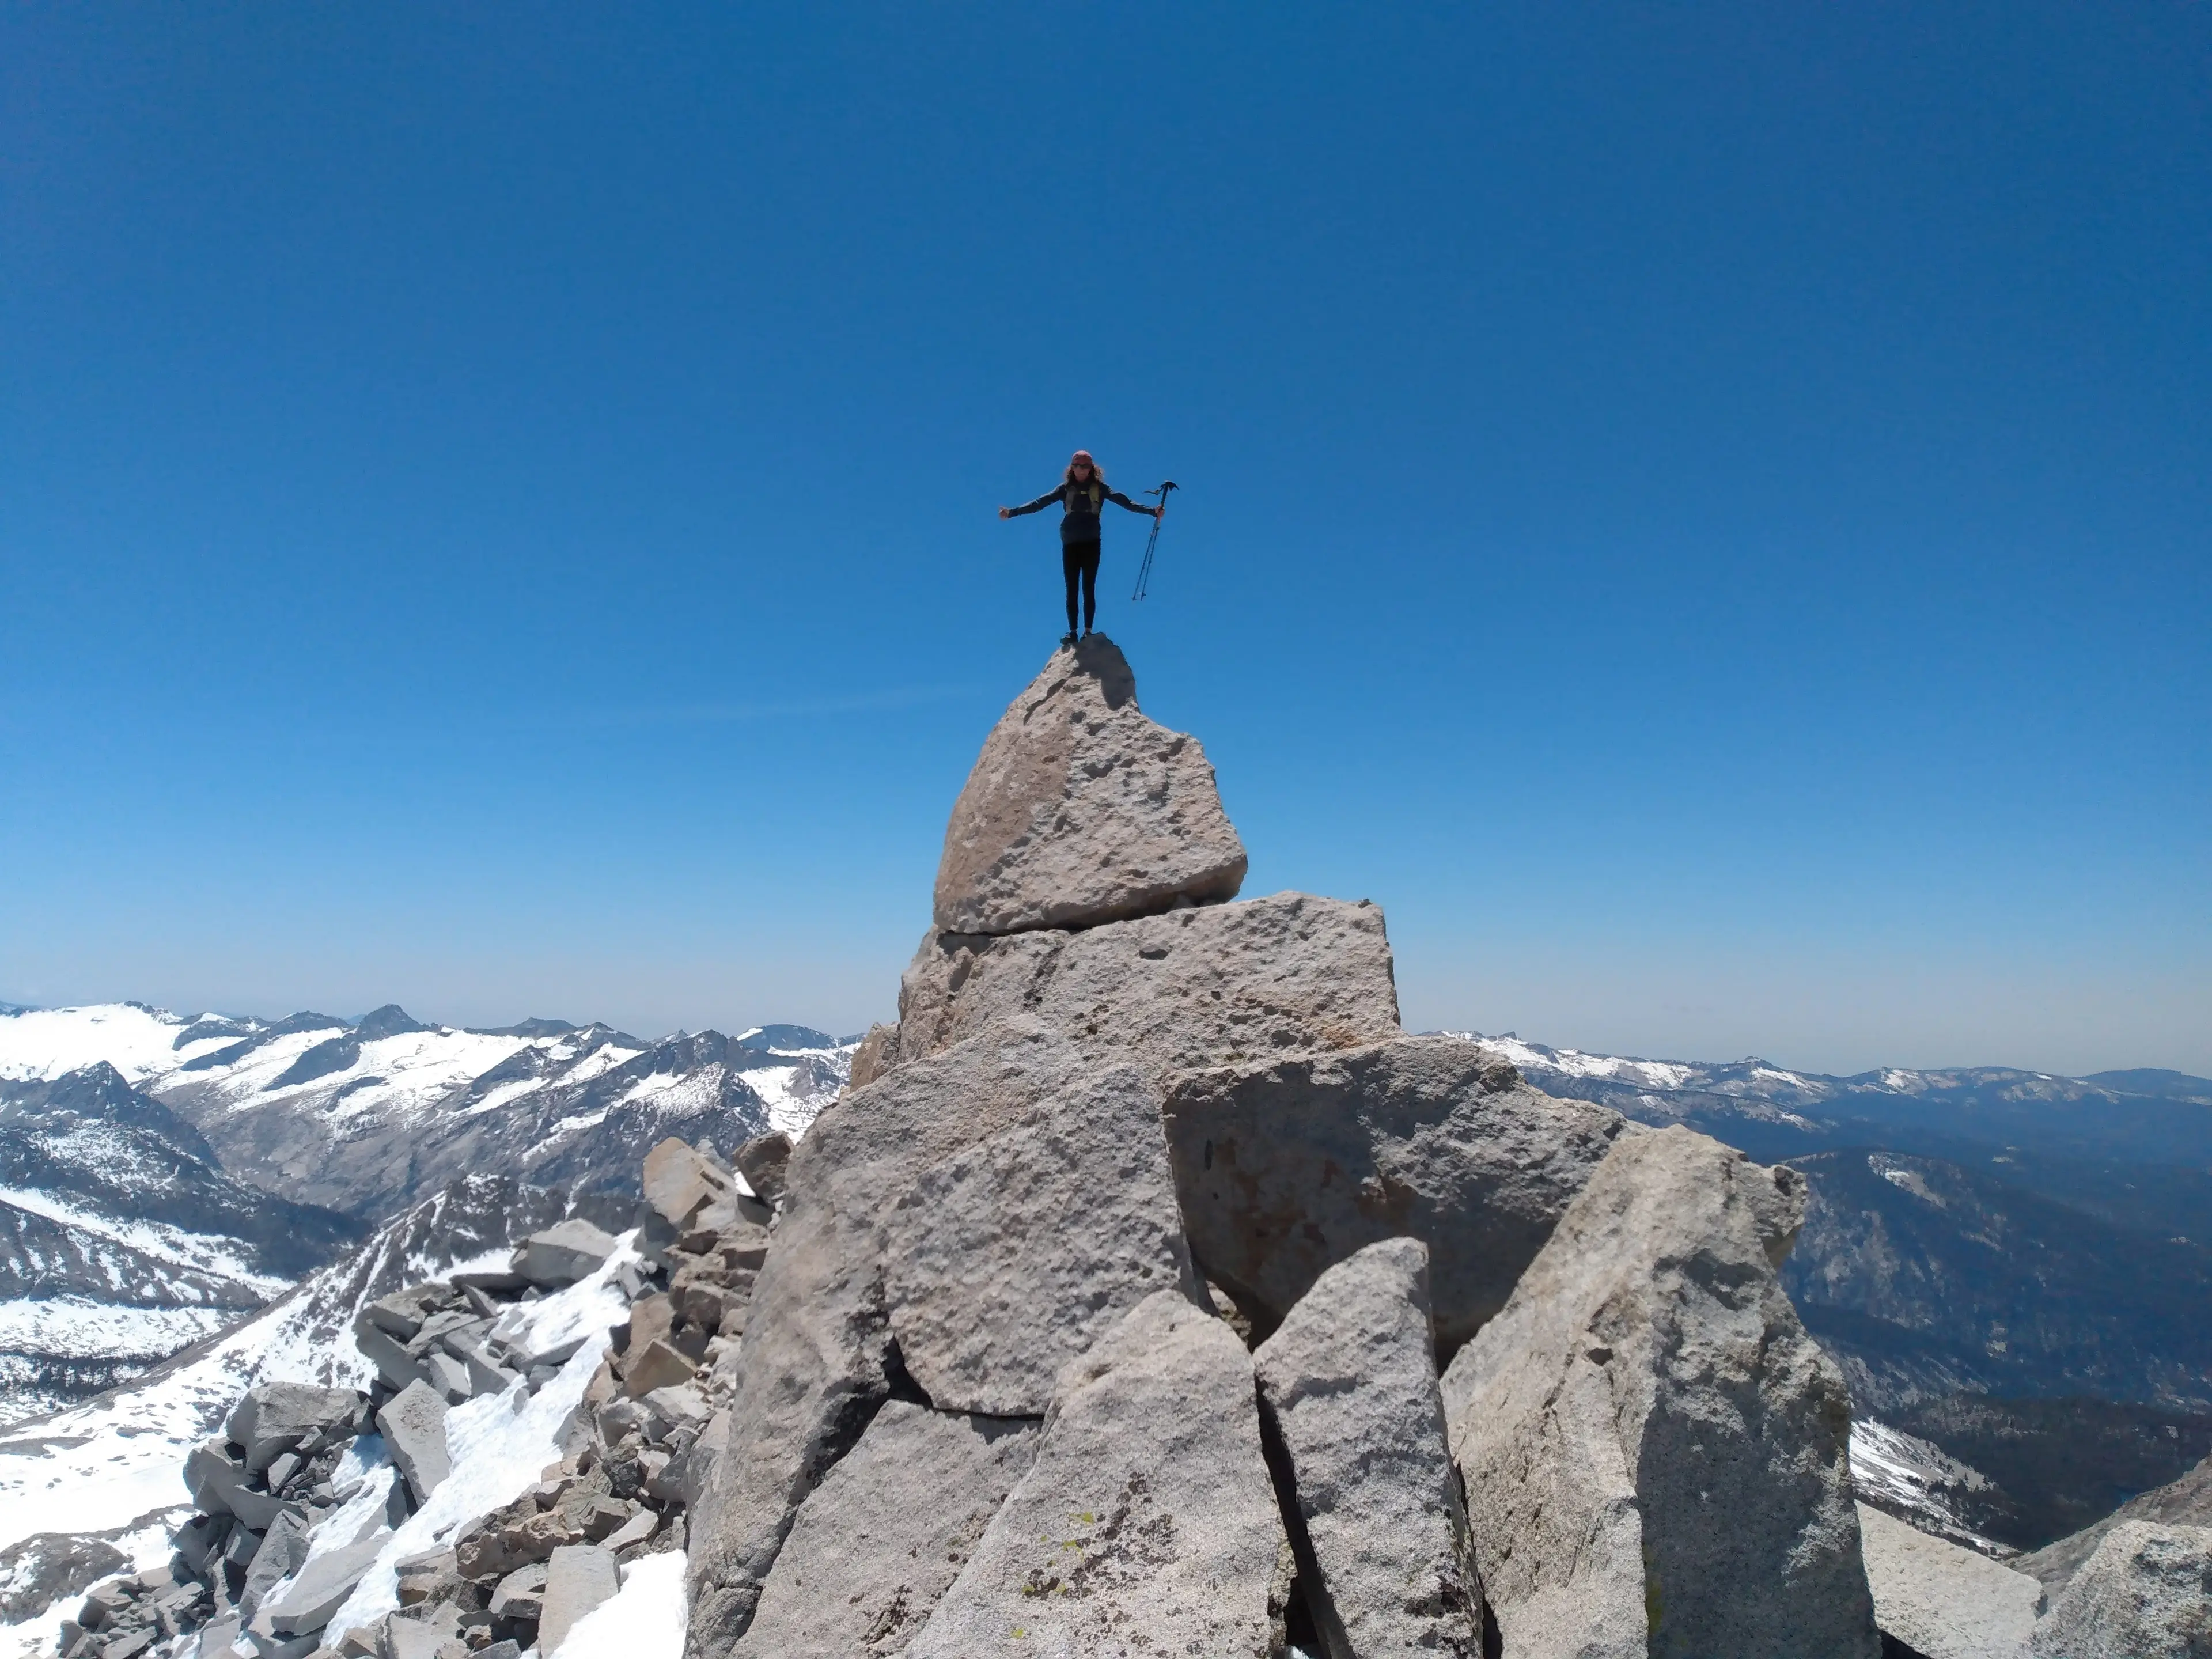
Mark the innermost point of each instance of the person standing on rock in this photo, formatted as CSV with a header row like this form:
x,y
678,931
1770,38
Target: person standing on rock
x,y
1081,494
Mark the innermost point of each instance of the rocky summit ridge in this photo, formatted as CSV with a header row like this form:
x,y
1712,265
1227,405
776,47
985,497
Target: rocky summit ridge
x,y
1150,1290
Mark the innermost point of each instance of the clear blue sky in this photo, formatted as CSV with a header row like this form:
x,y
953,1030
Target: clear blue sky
x,y
1704,512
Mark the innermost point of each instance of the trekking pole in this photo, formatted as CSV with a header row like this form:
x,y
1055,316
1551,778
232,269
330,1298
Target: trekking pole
x,y
1144,570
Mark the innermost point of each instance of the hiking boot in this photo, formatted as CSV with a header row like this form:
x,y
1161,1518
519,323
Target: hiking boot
x,y
1067,639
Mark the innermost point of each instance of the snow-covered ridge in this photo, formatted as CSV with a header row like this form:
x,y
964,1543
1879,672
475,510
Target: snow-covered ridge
x,y
1749,1077
1755,1078
154,1166
365,1116
386,1064
139,1041
1572,1062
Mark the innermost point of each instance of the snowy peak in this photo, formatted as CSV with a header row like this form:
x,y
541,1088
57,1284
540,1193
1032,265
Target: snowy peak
x,y
212,1028
98,1093
256,1035
390,1020
788,1039
531,1028
137,1041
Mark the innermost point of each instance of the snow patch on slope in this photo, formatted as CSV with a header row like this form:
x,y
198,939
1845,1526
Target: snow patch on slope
x,y
648,1619
101,1465
207,1253
501,1443
100,1330
1912,1479
48,1042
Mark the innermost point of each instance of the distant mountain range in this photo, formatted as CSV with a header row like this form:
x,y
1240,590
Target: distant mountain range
x,y
162,1177
365,1116
2012,1267
2091,1142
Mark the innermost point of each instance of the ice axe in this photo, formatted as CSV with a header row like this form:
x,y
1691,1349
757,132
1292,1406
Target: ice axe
x,y
1144,570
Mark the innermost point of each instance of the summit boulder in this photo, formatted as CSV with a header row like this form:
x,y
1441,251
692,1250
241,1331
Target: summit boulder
x,y
1080,809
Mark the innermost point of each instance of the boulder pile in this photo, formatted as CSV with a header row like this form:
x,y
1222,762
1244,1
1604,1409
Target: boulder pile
x,y
295,1507
1149,1290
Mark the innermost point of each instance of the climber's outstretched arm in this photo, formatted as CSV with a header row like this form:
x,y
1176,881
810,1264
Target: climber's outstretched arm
x,y
1050,496
1120,499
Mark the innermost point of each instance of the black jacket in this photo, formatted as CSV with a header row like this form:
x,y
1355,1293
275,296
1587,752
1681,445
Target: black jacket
x,y
1079,509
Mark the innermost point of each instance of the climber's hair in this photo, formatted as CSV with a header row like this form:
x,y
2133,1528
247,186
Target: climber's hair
x,y
1097,472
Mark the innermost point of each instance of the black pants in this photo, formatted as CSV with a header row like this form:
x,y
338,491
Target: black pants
x,y
1080,559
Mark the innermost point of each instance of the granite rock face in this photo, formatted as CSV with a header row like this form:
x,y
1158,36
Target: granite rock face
x,y
1943,1602
1349,1385
886,1533
1216,985
1008,1258
1654,1451
1290,1165
1147,1524
1098,1050
813,1364
2146,1594
1081,811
